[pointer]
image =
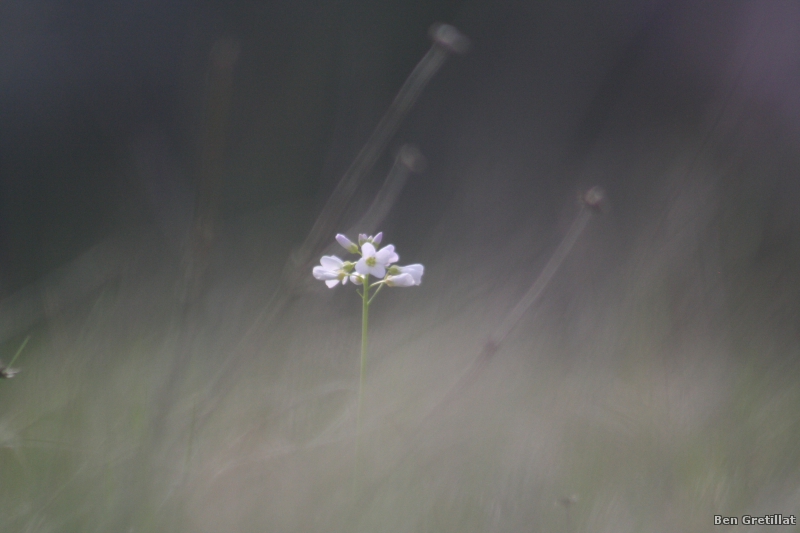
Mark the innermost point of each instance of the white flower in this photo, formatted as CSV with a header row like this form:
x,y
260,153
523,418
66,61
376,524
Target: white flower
x,y
415,271
401,280
375,262
347,244
332,270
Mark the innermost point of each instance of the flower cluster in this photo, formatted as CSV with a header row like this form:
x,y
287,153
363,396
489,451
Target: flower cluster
x,y
373,262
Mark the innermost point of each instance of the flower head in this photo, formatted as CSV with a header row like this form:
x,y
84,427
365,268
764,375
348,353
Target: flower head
x,y
374,262
332,270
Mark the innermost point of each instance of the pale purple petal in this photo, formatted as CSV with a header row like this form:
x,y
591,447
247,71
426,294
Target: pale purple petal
x,y
331,262
367,250
402,280
378,270
331,283
377,238
386,255
416,270
322,273
361,266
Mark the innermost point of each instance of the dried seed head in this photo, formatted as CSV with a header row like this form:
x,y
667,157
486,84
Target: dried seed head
x,y
411,158
595,198
449,37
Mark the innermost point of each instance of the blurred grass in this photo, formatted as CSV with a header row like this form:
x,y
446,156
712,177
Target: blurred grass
x,y
670,415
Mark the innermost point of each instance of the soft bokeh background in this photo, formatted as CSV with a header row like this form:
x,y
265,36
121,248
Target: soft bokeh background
x,y
654,384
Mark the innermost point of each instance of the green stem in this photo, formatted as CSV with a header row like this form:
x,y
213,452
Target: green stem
x,y
374,294
19,350
365,299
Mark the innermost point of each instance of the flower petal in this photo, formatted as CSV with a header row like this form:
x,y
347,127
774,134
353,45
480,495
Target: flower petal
x,y
361,266
386,255
416,271
367,250
322,273
378,270
331,283
331,262
402,280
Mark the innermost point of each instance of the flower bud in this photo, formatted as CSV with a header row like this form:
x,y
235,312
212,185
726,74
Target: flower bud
x,y
347,244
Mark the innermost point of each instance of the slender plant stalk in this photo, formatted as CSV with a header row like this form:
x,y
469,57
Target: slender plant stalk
x,y
362,379
19,350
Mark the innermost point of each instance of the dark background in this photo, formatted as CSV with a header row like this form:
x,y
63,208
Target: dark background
x,y
101,105
99,98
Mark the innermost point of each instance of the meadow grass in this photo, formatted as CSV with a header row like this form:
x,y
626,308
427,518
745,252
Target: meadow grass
x,y
643,424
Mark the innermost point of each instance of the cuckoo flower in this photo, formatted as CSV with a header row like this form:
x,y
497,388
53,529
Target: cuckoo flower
x,y
332,270
373,262
414,271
